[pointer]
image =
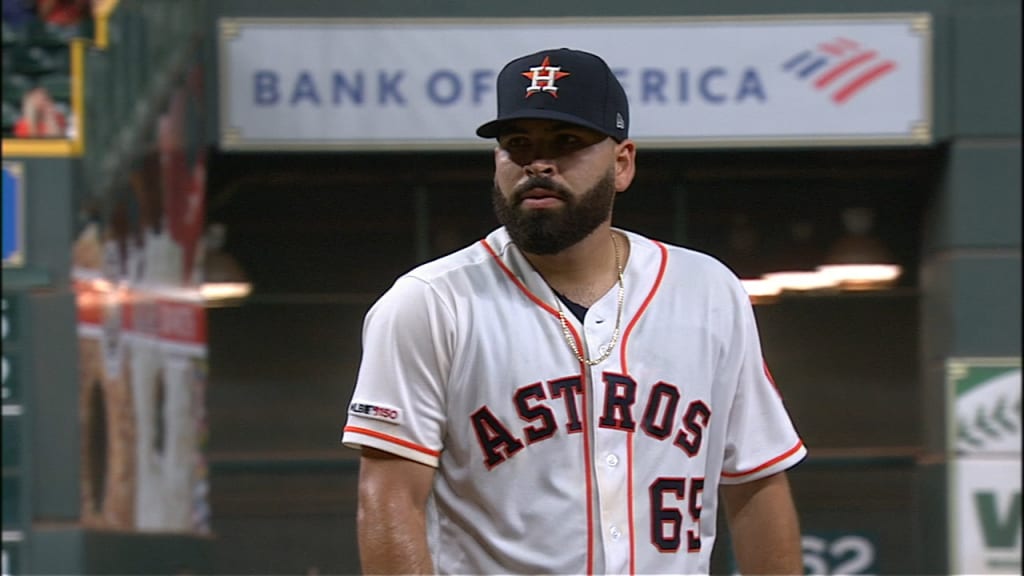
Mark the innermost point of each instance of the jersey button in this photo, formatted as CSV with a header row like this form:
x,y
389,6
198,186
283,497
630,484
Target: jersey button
x,y
615,533
612,460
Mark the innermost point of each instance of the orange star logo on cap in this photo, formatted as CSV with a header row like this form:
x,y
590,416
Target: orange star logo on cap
x,y
543,78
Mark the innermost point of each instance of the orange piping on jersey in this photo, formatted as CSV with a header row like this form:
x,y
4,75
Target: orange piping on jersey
x,y
629,495
643,307
768,374
519,283
393,440
783,456
585,400
625,370
586,459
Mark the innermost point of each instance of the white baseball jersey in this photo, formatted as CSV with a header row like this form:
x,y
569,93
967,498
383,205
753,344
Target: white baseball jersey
x,y
544,464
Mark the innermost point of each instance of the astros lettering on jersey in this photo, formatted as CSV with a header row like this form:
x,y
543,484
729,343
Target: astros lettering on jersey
x,y
547,465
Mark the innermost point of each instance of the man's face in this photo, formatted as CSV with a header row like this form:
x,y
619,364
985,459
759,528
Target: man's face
x,y
555,182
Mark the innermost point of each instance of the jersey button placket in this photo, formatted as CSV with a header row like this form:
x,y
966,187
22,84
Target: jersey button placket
x,y
597,333
613,496
609,443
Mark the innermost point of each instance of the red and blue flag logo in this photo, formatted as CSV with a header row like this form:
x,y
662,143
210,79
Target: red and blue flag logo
x,y
841,68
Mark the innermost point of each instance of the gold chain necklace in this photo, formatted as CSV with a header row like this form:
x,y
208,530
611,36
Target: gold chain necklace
x,y
618,318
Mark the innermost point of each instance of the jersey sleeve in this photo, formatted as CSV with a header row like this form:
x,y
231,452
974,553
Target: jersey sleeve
x,y
398,404
761,439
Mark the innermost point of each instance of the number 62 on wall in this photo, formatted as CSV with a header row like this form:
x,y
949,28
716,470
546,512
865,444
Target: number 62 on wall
x,y
836,553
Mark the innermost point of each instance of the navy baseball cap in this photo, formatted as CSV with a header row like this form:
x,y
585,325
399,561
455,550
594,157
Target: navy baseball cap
x,y
568,85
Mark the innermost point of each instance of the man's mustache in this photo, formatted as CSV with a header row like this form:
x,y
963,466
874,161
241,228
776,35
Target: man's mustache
x,y
535,182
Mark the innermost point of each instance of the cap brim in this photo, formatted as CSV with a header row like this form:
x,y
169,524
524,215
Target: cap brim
x,y
493,128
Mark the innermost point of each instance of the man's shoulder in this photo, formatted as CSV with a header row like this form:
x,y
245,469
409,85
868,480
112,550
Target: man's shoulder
x,y
471,259
682,258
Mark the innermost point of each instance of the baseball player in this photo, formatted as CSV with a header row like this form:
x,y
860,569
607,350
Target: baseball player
x,y
564,396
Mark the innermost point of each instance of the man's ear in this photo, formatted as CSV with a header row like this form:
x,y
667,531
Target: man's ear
x,y
625,164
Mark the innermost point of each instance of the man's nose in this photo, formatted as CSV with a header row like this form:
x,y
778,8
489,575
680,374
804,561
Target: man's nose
x,y
539,165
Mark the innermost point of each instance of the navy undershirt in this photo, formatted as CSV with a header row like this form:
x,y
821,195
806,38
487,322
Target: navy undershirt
x,y
578,311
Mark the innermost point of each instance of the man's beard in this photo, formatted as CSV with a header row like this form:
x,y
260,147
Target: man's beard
x,y
549,231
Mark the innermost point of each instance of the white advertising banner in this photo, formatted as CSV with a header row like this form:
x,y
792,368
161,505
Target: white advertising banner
x,y
985,524
812,80
984,442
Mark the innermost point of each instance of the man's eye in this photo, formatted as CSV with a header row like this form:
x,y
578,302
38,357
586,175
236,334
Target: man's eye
x,y
515,142
570,141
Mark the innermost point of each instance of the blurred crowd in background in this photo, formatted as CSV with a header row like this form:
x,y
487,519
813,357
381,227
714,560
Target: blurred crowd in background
x,y
36,65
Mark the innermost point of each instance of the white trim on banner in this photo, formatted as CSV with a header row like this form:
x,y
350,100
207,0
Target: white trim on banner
x,y
795,80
